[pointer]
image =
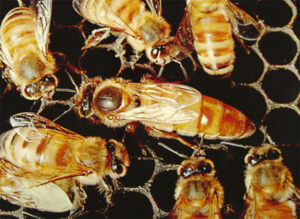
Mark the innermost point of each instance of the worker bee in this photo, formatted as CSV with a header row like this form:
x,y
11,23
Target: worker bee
x,y
24,38
41,163
162,108
212,23
142,28
270,192
198,193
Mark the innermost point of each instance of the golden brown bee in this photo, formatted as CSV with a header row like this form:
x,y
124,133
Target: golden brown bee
x,y
270,192
198,193
162,108
212,23
24,38
41,163
141,27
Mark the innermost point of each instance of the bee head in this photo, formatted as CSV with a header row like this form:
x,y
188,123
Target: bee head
x,y
119,158
195,166
85,100
44,88
265,152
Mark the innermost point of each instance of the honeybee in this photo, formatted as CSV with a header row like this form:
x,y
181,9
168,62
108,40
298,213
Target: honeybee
x,y
141,27
162,108
212,23
198,193
42,163
24,38
270,192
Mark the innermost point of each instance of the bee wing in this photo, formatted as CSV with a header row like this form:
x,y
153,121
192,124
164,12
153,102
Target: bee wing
x,y
155,6
184,32
169,104
214,210
243,24
29,119
48,197
4,55
295,191
42,10
116,24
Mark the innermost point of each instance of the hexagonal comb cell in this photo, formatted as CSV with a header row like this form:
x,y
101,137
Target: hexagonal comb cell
x,y
278,48
281,86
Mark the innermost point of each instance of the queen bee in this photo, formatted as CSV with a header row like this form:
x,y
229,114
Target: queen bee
x,y
162,108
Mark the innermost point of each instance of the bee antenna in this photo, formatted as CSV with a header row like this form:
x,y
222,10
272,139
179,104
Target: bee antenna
x,y
72,80
182,69
64,113
160,71
234,145
65,90
170,149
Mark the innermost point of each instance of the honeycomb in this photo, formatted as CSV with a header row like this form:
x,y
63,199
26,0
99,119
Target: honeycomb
x,y
264,85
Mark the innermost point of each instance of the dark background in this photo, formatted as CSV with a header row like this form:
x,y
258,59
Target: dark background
x,y
263,85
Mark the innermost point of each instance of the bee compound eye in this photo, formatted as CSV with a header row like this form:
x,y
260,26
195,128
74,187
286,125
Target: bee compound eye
x,y
254,159
108,99
186,172
118,168
30,90
204,167
273,154
155,52
111,147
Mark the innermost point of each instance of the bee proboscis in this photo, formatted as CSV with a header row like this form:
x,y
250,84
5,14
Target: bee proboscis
x,y
198,193
270,191
43,165
24,39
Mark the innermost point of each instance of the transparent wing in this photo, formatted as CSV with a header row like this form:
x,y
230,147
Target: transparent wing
x,y
214,210
48,197
184,32
244,26
155,6
115,22
167,103
42,10
33,120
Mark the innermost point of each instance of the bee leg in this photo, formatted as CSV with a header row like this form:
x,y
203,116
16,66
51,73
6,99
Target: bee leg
x,y
131,128
168,135
65,63
96,37
241,41
80,196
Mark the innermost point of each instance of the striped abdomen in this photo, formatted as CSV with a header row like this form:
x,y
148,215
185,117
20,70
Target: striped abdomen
x,y
35,148
119,15
212,36
217,120
18,32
